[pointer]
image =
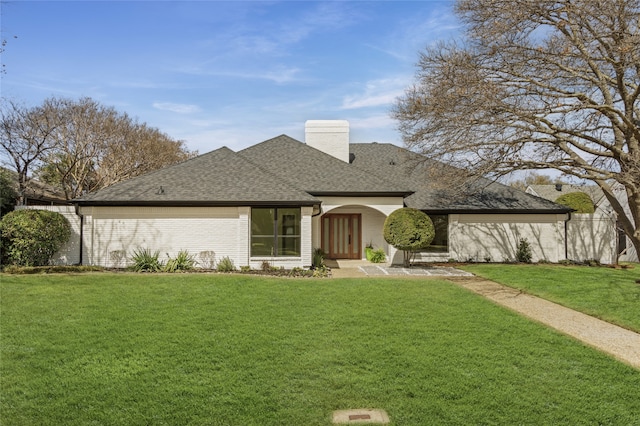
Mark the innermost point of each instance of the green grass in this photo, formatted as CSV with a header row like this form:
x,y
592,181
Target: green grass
x,y
198,349
610,294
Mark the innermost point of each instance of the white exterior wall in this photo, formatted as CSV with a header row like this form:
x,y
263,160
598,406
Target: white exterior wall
x,y
373,211
69,254
630,254
477,236
166,229
598,240
591,236
223,230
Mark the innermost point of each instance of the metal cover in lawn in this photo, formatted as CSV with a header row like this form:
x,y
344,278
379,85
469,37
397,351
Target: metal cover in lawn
x,y
362,415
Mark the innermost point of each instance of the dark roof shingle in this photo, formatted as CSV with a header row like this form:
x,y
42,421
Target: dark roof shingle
x,y
283,170
217,178
412,169
316,172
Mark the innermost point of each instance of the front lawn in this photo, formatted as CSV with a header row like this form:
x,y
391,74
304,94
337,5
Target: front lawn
x,y
199,349
610,294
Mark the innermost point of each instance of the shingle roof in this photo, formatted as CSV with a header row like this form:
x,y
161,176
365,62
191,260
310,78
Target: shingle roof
x,y
316,172
412,169
283,170
220,177
552,192
37,191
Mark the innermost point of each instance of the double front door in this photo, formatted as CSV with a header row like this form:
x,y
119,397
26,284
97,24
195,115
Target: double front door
x,y
342,236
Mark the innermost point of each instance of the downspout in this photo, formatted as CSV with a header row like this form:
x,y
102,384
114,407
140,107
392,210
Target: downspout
x,y
566,236
77,208
315,214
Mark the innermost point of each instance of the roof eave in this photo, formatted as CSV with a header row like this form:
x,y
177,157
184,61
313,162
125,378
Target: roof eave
x,y
360,194
496,211
186,203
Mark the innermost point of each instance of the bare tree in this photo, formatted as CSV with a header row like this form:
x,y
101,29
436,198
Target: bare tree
x,y
84,131
139,149
25,135
536,85
81,145
533,178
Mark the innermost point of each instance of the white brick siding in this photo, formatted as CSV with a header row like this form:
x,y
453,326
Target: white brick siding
x,y
166,229
476,236
592,236
223,230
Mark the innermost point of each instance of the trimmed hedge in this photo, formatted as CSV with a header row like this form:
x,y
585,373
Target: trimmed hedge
x,y
579,201
31,237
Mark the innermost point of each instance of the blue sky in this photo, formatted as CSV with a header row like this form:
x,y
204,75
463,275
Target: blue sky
x,y
217,73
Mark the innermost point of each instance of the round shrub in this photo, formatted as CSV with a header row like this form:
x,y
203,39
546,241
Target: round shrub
x,y
409,230
32,237
579,201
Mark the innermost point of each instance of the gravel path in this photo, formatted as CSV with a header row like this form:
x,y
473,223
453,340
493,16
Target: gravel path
x,y
618,342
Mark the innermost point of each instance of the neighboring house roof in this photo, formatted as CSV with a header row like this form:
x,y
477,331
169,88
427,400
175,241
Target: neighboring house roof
x,y
285,171
552,192
413,169
38,192
220,177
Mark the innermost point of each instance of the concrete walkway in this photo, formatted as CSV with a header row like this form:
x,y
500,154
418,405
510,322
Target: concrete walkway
x,y
618,342
362,268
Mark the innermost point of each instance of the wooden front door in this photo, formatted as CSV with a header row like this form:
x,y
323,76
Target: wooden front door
x,y
341,236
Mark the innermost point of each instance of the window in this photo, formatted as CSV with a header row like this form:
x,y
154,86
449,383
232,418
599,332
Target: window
x,y
275,232
440,243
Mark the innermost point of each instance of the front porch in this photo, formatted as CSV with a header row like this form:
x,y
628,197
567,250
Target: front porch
x,y
349,224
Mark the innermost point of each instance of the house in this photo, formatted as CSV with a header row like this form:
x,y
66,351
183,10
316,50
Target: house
x,y
280,199
37,193
595,235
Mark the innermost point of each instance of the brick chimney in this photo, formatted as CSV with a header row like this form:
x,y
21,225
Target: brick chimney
x,y
329,136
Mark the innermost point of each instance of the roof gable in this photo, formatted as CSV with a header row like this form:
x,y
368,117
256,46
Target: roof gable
x,y
216,178
316,172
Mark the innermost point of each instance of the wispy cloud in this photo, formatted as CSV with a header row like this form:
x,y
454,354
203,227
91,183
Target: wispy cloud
x,y
138,84
177,108
377,93
378,121
276,74
327,16
261,37
416,32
